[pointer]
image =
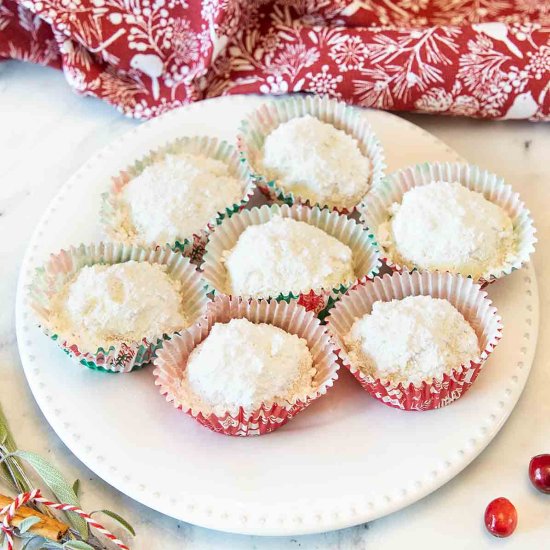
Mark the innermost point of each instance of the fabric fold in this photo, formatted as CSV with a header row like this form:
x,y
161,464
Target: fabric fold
x,y
482,58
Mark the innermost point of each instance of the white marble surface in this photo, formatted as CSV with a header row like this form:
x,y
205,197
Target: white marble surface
x,y
46,132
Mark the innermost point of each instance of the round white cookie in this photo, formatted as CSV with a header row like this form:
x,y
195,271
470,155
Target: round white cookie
x,y
284,255
316,161
105,305
176,197
444,226
242,364
412,340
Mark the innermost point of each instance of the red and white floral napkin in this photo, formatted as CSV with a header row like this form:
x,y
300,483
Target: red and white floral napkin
x,y
481,58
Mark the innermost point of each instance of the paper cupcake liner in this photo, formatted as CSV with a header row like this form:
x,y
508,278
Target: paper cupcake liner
x,y
50,279
171,362
320,300
114,220
465,295
375,208
261,122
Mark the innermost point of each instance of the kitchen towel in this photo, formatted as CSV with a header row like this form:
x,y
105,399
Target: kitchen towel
x,y
479,58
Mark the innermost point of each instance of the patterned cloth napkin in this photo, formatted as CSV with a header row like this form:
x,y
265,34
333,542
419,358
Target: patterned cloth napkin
x,y
480,58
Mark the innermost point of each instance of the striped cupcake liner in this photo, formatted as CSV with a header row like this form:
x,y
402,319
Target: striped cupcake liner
x,y
465,295
261,122
171,362
50,279
319,300
115,221
375,209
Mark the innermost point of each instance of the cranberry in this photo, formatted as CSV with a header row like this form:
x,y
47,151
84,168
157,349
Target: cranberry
x,y
539,473
501,518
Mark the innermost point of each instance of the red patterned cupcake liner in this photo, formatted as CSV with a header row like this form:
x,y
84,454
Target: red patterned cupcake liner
x,y
171,362
465,295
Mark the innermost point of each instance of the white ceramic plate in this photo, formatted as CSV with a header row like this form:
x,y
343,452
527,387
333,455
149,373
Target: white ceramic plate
x,y
347,459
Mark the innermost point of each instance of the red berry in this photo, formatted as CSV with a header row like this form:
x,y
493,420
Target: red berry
x,y
501,518
539,473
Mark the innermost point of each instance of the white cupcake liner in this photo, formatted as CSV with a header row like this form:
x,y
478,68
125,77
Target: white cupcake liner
x,y
375,208
261,122
225,236
465,295
61,267
171,362
115,222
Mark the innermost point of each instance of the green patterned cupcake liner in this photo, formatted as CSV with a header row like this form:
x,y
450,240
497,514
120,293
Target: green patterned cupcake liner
x,y
50,279
224,237
375,209
261,122
114,218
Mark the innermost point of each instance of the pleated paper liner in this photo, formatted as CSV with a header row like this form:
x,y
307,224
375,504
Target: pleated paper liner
x,y
320,300
119,228
171,362
465,295
124,357
375,208
261,122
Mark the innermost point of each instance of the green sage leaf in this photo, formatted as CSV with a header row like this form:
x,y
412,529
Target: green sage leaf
x,y
3,434
27,523
59,487
76,487
119,519
33,542
10,469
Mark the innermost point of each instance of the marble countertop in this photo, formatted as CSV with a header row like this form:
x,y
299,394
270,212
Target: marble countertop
x,y
47,132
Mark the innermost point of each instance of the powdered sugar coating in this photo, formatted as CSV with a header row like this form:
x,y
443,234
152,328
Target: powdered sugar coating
x,y
445,226
285,255
411,340
316,161
242,364
103,305
176,197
